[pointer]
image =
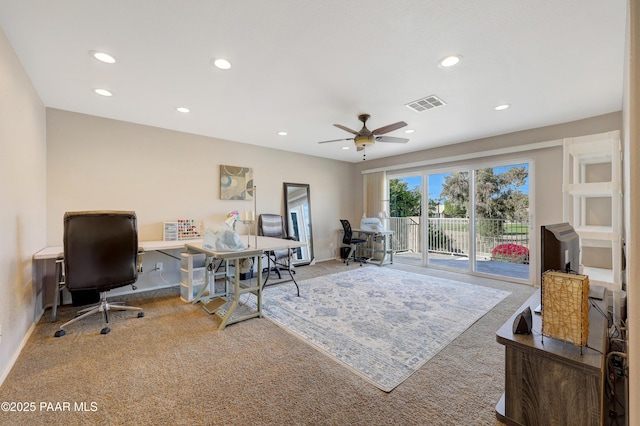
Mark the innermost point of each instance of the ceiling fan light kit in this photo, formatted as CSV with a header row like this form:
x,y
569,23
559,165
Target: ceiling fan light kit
x,y
362,141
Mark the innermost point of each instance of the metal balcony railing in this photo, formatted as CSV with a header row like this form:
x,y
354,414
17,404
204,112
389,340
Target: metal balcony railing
x,y
451,235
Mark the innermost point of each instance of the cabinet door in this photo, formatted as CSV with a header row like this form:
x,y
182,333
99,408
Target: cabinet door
x,y
542,391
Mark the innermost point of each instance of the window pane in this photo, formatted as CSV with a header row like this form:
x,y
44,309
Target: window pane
x,y
405,207
502,220
448,221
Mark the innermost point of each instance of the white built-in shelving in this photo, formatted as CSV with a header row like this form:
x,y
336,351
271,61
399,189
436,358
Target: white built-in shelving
x,y
592,187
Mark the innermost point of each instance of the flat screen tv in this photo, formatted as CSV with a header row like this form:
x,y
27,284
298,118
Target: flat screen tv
x,y
559,248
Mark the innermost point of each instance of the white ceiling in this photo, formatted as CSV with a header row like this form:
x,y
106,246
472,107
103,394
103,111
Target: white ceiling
x,y
303,65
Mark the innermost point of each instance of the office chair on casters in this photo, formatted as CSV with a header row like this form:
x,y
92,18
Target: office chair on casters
x,y
100,253
272,225
353,243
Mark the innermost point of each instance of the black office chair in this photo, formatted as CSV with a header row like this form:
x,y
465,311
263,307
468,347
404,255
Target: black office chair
x,y
100,253
353,243
272,225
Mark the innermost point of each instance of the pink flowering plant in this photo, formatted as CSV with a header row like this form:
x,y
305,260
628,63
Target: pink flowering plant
x,y
509,252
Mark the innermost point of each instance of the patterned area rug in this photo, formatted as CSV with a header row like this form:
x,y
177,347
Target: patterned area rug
x,y
381,323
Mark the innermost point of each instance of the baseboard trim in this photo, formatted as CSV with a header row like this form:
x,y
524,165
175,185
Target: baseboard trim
x,y
18,351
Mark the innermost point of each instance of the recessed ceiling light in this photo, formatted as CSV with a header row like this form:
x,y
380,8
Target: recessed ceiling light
x,y
502,107
182,109
409,131
223,64
449,61
345,147
103,92
282,133
103,57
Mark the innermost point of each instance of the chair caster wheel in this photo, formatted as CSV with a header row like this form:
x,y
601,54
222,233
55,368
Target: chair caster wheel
x,y
105,330
140,314
60,333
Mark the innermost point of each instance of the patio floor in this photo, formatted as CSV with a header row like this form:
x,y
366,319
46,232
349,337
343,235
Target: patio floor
x,y
505,269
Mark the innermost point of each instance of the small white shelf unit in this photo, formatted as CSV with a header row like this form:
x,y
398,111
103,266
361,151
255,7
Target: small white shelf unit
x,y
193,271
592,204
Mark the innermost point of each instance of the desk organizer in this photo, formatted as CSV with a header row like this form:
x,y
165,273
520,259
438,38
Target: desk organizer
x,y
182,229
192,274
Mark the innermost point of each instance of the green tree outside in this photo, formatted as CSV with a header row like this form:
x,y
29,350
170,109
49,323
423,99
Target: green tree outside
x,y
497,195
405,202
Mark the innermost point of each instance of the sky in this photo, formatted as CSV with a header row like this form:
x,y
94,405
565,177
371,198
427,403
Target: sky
x,y
436,181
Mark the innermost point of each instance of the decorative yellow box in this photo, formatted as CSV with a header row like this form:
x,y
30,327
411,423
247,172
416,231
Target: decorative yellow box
x,y
565,307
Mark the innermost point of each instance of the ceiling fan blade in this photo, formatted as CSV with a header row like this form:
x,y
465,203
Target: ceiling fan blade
x,y
346,129
391,139
337,140
389,128
360,148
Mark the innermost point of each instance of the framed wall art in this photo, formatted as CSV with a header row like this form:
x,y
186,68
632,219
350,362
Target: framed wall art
x,y
236,183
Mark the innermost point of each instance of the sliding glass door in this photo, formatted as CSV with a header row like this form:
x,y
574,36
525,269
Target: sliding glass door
x,y
475,219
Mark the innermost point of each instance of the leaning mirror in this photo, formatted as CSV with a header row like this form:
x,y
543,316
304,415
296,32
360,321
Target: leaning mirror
x,y
297,207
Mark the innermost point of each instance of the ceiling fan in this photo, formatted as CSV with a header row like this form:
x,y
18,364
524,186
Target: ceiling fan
x,y
366,137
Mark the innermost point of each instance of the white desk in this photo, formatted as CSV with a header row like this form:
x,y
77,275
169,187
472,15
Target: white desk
x,y
259,245
226,309
44,267
220,306
386,238
53,251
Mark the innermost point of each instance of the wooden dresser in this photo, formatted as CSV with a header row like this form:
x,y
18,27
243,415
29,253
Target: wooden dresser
x,y
548,381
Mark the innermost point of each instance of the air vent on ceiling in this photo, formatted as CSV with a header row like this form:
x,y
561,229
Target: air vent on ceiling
x,y
424,104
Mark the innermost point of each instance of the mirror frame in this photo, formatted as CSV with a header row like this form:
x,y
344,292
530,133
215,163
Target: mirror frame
x,y
286,186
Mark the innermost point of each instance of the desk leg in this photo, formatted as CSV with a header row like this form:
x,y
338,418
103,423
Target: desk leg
x,y
268,268
384,254
236,295
374,249
238,290
207,283
259,285
387,248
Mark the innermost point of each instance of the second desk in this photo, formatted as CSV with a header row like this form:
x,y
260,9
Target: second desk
x,y
380,244
260,246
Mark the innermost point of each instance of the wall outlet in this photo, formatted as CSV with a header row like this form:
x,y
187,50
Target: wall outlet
x,y
159,266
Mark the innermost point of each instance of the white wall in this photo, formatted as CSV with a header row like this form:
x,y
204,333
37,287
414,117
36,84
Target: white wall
x,y
22,202
632,204
163,175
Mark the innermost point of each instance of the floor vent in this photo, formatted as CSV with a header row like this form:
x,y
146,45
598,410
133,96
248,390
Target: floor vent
x,y
426,103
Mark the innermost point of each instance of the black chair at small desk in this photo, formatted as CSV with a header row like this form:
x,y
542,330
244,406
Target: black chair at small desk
x,y
272,225
100,253
353,243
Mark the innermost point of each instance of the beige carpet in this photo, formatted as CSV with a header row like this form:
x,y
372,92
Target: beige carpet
x,y
173,367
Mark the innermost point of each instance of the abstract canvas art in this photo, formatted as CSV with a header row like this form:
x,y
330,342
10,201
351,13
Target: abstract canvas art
x,y
236,183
